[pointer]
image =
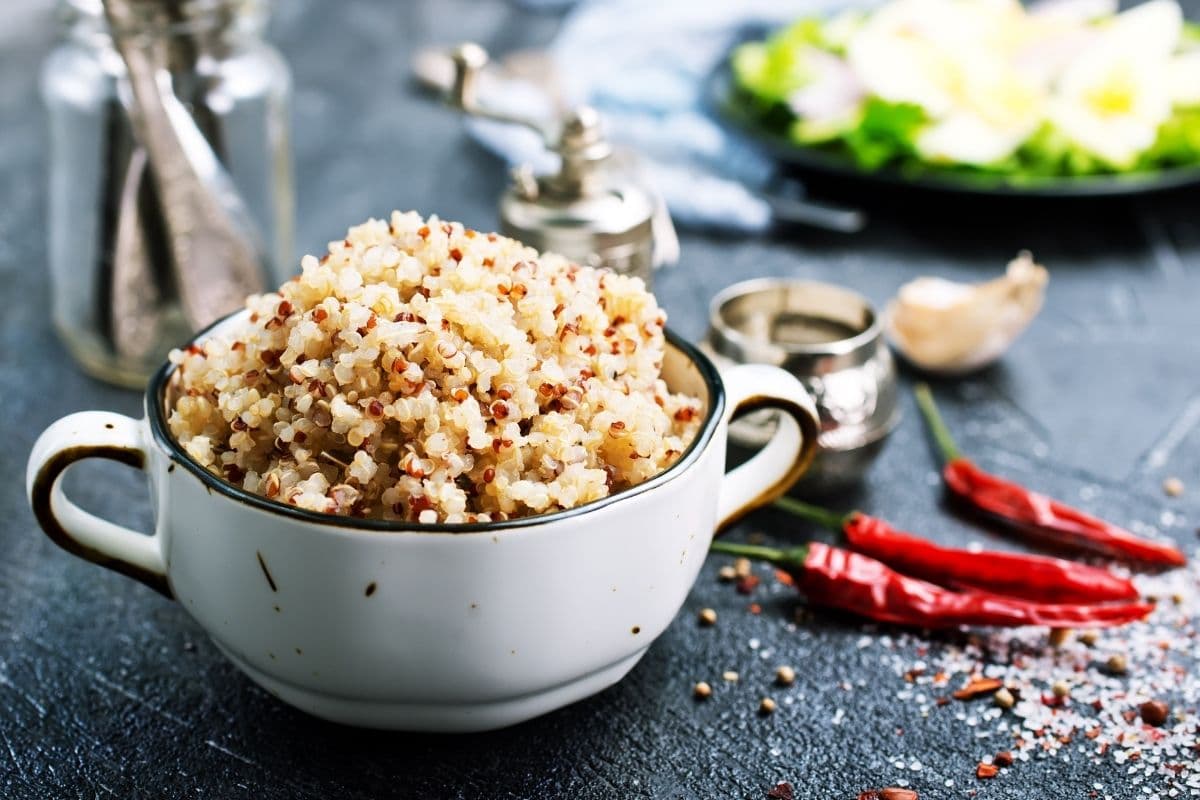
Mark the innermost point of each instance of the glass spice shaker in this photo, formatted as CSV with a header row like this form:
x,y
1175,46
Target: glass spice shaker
x,y
105,225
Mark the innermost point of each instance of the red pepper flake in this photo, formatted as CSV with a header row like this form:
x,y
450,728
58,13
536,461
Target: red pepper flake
x,y
942,700
896,793
986,771
755,609
1003,759
785,577
1053,701
747,584
1092,733
1129,716
978,688
782,791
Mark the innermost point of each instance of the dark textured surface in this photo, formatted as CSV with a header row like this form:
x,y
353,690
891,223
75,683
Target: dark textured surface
x,y
107,689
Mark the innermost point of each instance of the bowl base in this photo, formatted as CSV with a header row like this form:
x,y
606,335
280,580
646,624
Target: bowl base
x,y
437,717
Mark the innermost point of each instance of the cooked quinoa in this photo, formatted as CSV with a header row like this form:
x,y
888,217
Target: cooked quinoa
x,y
422,371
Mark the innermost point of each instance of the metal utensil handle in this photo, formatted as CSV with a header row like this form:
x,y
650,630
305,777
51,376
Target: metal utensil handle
x,y
217,263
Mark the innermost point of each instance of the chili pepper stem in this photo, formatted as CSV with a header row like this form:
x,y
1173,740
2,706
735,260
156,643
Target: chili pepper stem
x,y
793,557
937,426
821,516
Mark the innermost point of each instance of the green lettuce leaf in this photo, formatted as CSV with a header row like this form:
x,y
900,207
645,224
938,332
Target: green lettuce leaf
x,y
885,133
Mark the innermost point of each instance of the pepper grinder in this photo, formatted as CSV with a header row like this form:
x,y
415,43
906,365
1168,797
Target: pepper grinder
x,y
588,211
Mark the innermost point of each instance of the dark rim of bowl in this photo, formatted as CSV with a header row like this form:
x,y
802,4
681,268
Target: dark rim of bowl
x,y
155,412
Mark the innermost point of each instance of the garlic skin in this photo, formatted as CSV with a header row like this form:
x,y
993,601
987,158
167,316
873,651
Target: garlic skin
x,y
953,328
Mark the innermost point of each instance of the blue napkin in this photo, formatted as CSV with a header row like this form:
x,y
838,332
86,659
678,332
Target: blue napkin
x,y
644,65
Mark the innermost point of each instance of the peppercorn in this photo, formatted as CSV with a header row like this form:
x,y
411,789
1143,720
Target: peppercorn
x,y
741,567
708,617
1173,487
726,574
702,691
1059,636
1116,664
785,676
766,706
1061,689
1089,637
1004,698
1154,712
729,676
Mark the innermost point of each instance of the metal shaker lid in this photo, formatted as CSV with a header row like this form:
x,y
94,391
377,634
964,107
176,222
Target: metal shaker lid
x,y
586,197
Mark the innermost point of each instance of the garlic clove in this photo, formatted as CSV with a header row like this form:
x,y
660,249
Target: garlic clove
x,y
953,328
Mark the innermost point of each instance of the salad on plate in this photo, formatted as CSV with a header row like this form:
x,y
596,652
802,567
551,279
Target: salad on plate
x,y
1061,89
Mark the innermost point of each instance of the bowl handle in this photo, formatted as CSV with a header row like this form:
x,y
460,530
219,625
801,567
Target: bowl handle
x,y
92,434
774,469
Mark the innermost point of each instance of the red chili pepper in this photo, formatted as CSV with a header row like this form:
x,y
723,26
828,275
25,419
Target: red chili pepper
x,y
1037,578
1036,516
837,578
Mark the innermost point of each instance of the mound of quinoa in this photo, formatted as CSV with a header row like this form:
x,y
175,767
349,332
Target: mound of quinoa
x,y
425,372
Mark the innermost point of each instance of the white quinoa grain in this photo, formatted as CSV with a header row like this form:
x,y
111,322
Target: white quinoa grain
x,y
421,371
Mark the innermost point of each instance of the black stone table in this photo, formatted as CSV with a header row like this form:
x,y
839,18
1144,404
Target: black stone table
x,y
107,689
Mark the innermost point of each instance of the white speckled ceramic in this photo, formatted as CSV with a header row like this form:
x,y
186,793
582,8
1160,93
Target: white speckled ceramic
x,y
433,628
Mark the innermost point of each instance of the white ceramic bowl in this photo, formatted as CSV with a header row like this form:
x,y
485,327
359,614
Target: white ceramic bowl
x,y
428,627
